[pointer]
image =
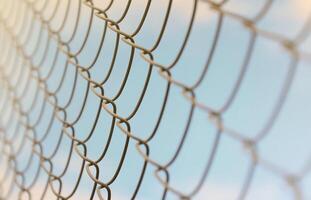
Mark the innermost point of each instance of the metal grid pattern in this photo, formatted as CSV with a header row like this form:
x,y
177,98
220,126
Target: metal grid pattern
x,y
22,76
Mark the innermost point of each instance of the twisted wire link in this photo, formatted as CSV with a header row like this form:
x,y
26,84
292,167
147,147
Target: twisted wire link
x,y
39,41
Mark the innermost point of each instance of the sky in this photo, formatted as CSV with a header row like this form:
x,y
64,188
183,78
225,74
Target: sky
x,y
286,146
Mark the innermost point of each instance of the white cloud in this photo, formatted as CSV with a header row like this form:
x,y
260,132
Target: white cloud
x,y
231,191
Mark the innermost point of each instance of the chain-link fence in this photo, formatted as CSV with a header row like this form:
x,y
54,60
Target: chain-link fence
x,y
104,97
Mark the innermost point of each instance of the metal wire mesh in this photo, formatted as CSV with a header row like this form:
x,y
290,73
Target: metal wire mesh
x,y
45,82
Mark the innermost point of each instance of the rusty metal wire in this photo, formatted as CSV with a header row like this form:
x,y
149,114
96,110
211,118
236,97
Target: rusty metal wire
x,y
26,95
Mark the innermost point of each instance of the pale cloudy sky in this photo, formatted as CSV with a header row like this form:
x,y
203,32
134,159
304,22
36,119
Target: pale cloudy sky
x,y
288,143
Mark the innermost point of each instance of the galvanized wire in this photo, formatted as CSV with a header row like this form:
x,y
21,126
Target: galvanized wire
x,y
21,75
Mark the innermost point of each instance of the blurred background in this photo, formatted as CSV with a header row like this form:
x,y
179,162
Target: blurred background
x,y
166,99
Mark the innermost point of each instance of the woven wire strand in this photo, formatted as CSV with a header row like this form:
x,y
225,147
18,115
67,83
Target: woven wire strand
x,y
22,77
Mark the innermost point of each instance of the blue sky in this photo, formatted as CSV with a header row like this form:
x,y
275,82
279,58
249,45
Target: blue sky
x,y
287,144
